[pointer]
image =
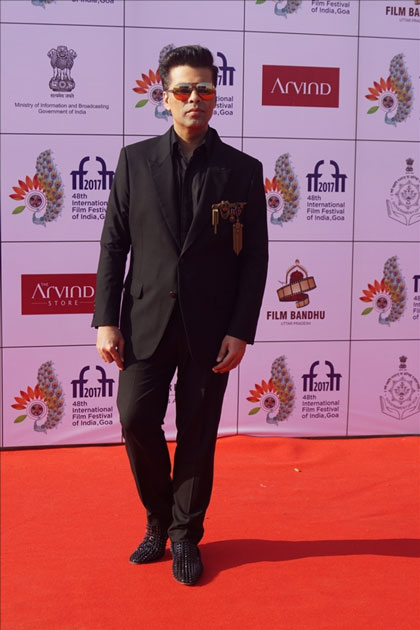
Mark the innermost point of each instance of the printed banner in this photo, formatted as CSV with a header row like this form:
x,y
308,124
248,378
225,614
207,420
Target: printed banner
x,y
59,395
309,188
48,296
66,89
294,389
299,87
304,296
388,89
325,17
385,388
325,94
56,188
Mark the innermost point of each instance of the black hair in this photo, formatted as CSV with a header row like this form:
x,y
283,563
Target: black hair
x,y
194,56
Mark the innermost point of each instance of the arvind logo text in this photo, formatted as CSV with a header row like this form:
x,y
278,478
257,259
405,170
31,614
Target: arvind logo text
x,y
56,294
300,86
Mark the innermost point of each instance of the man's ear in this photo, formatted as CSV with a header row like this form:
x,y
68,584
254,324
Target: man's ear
x,y
166,101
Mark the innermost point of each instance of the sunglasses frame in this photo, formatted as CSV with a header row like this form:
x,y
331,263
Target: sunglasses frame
x,y
184,96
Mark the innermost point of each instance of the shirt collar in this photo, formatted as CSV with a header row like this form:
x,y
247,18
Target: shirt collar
x,y
207,144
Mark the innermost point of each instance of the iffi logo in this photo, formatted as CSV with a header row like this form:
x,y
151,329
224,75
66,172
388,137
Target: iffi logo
x,y
81,182
337,181
103,390
225,75
311,384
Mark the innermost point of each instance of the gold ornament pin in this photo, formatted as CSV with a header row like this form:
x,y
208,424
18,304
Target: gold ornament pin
x,y
232,212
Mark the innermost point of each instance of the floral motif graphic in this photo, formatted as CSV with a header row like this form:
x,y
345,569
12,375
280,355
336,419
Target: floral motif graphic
x,y
282,192
151,86
388,296
42,3
277,396
43,194
44,404
284,7
395,95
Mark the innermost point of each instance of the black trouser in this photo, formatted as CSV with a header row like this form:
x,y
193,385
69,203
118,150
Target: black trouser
x,y
178,503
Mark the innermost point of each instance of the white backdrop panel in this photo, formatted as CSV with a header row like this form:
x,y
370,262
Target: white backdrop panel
x,y
379,58
327,314
85,167
385,18
273,121
387,191
186,14
92,101
40,260
384,398
105,12
344,203
390,309
314,404
307,16
86,396
322,171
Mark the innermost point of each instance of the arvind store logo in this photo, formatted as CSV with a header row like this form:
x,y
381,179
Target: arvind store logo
x,y
300,86
58,293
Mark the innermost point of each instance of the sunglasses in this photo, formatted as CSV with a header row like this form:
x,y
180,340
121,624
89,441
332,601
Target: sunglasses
x,y
182,91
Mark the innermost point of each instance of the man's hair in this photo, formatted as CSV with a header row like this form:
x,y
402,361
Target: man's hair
x,y
194,56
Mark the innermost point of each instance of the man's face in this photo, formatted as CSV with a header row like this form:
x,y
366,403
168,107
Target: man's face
x,y
194,113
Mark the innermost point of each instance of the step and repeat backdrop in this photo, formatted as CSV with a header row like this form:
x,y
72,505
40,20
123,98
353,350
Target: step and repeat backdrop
x,y
327,95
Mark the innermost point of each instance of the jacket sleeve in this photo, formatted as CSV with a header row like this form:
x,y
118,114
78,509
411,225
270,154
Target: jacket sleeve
x,y
253,262
115,246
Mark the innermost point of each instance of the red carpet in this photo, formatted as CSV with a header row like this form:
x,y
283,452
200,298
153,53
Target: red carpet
x,y
301,534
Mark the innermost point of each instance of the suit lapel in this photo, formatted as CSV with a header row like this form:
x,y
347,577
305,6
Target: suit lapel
x,y
163,176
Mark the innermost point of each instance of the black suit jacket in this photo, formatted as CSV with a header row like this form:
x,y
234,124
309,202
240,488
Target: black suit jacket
x,y
219,292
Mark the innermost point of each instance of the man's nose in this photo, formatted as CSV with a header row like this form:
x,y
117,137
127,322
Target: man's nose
x,y
194,96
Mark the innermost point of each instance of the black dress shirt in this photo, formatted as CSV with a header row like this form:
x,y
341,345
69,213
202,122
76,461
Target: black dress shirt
x,y
189,179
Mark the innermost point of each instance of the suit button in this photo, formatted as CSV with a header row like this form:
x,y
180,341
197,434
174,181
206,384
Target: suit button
x,y
181,261
172,294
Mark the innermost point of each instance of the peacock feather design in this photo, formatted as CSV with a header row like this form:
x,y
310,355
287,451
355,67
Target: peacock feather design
x,y
42,3
395,286
285,389
290,7
403,87
52,393
52,187
289,189
280,8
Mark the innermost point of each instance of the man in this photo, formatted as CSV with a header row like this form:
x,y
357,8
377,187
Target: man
x,y
190,211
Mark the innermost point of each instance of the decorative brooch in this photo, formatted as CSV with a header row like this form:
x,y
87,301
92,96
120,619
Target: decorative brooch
x,y
232,212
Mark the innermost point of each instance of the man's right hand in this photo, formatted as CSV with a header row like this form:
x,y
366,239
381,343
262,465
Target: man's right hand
x,y
110,345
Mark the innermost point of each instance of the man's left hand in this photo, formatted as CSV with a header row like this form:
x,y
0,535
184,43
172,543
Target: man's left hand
x,y
230,354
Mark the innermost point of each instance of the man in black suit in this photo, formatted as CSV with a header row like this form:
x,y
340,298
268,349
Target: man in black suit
x,y
190,212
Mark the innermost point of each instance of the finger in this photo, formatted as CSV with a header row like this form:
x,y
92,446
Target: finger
x,y
229,363
104,354
115,354
222,352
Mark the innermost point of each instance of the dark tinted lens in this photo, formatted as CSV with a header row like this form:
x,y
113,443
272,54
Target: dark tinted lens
x,y
205,88
183,88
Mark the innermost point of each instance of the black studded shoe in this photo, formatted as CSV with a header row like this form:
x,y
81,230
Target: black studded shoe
x,y
186,566
152,547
